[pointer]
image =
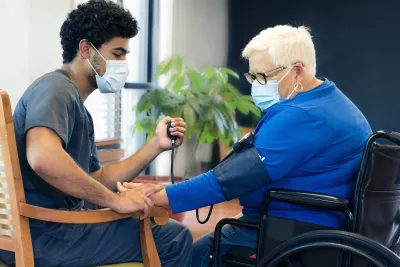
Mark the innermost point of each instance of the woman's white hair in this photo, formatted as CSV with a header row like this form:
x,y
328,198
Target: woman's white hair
x,y
285,45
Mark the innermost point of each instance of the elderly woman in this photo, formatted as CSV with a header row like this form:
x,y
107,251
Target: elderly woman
x,y
310,138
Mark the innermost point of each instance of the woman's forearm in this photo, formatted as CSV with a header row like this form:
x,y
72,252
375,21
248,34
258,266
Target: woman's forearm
x,y
160,199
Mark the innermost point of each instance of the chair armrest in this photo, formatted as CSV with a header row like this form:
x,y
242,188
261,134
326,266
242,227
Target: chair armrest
x,y
309,199
159,215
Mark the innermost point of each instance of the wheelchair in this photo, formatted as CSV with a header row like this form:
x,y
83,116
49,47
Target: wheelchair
x,y
372,233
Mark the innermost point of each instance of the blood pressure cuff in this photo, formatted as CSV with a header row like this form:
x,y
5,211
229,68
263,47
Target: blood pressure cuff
x,y
241,173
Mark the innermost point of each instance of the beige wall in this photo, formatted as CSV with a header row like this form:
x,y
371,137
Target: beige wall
x,y
199,33
30,44
29,41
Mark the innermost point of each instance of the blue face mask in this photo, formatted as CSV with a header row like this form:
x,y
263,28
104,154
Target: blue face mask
x,y
266,95
114,78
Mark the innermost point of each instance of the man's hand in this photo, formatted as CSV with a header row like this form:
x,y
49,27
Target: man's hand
x,y
159,198
178,129
136,199
128,169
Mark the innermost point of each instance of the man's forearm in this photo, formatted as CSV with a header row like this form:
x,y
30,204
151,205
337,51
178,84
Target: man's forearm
x,y
128,169
58,169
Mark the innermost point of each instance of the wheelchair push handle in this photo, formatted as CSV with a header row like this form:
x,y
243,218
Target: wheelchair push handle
x,y
394,137
391,136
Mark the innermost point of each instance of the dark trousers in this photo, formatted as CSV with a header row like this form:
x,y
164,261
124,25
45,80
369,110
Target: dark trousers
x,y
231,236
74,245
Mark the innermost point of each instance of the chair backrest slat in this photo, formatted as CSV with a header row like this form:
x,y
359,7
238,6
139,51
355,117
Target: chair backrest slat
x,y
5,207
12,191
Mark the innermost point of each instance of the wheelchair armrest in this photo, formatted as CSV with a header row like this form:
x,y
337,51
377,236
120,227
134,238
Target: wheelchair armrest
x,y
309,199
312,200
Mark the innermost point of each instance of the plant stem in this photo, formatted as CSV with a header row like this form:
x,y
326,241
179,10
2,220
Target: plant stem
x,y
189,167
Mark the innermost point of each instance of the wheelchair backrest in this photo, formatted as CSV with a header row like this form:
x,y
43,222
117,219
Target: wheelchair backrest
x,y
378,205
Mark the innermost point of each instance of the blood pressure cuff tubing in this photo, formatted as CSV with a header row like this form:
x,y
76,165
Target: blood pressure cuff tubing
x,y
241,173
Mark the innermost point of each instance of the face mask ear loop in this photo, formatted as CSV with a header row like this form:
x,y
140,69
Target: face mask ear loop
x,y
98,52
295,90
285,75
92,66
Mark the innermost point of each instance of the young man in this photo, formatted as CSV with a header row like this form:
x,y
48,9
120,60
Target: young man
x,y
58,156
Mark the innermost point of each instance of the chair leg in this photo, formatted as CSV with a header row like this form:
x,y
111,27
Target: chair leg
x,y
22,261
149,250
23,244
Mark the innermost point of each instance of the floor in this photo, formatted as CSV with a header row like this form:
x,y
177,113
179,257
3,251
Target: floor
x,y
223,210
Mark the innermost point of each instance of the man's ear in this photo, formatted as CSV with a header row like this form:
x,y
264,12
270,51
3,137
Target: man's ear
x,y
84,49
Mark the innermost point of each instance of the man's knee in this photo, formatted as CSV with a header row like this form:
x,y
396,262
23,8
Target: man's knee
x,y
174,233
185,235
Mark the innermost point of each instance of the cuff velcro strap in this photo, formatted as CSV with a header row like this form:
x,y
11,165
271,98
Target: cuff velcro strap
x,y
241,174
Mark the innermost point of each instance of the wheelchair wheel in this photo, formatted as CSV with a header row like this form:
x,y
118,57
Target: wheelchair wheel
x,y
368,250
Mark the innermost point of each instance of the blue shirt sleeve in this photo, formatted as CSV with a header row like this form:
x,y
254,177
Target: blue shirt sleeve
x,y
197,192
287,138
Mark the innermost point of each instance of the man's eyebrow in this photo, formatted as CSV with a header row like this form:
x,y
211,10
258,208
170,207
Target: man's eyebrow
x,y
123,50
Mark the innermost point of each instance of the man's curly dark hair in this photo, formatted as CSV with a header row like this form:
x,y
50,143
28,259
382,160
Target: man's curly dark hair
x,y
97,21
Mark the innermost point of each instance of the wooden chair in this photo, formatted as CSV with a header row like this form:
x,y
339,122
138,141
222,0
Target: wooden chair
x,y
15,212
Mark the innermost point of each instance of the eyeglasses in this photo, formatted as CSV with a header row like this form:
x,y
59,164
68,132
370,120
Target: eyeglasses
x,y
261,78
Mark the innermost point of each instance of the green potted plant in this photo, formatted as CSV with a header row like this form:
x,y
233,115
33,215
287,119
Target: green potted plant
x,y
204,98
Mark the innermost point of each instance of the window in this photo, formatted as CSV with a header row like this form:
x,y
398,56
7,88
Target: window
x,y
105,109
137,58
112,113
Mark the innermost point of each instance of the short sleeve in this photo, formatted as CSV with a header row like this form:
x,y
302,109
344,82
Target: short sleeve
x,y
52,104
94,159
287,139
94,155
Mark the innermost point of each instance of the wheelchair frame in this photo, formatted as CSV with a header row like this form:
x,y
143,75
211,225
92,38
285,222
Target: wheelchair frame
x,y
351,210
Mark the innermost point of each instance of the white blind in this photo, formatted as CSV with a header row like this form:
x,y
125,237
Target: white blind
x,y
112,113
106,112
104,108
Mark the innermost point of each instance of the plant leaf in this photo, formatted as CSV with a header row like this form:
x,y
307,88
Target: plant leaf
x,y
255,110
243,107
189,115
247,97
233,90
218,122
231,72
180,80
195,78
209,73
221,76
222,118
178,64
164,67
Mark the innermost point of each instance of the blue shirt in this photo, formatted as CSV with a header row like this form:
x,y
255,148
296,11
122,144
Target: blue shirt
x,y
312,142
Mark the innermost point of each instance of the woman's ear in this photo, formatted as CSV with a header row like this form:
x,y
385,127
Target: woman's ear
x,y
299,69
